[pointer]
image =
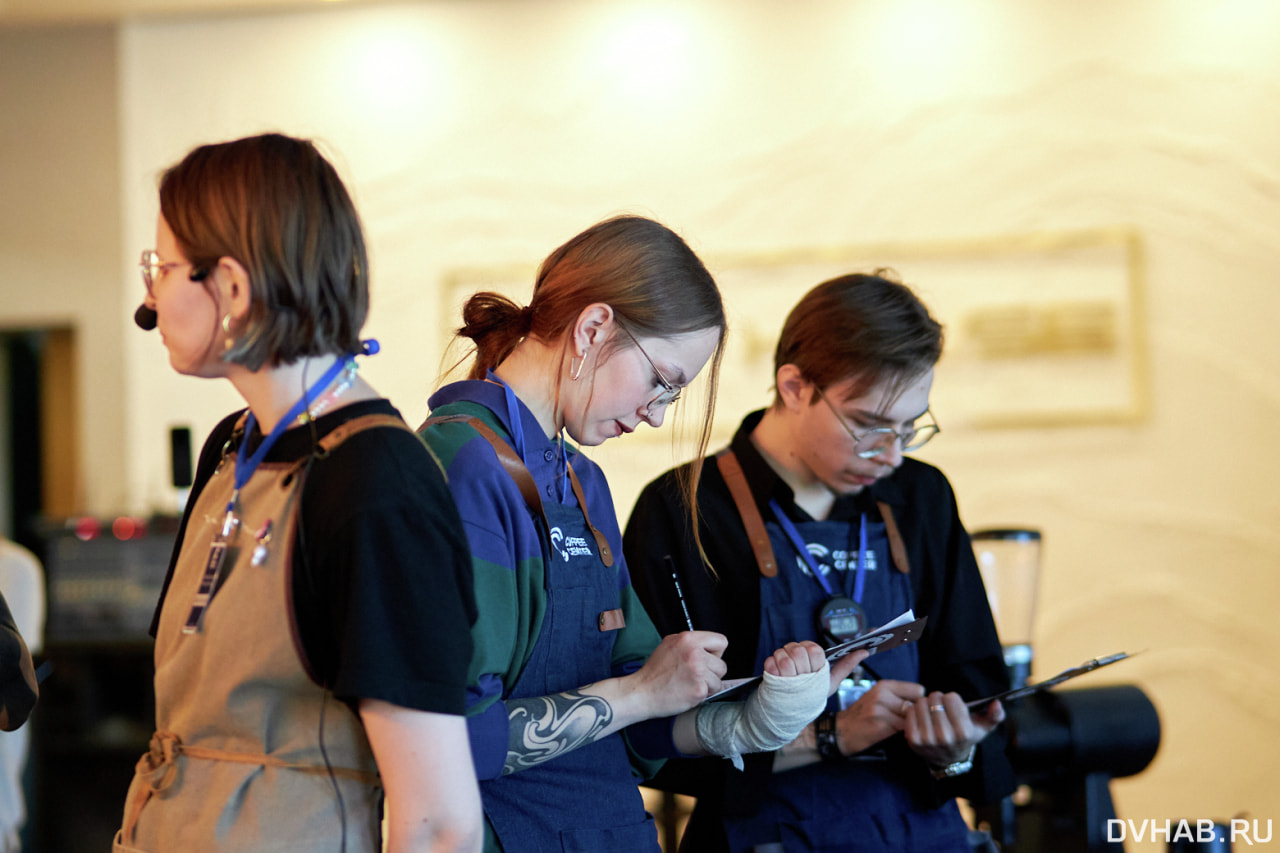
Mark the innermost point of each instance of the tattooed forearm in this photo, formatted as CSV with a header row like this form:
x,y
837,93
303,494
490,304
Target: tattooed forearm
x,y
545,727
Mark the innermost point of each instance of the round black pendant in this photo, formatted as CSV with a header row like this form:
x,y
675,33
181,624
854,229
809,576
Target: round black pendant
x,y
841,619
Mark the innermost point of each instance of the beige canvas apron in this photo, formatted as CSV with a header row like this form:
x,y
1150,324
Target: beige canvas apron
x,y
236,761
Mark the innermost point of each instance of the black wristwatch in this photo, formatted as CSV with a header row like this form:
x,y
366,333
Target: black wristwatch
x,y
824,737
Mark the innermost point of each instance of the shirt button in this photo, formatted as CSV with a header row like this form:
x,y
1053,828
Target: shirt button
x,y
550,491
549,455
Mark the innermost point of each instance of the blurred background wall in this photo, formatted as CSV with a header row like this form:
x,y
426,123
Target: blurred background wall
x,y
477,136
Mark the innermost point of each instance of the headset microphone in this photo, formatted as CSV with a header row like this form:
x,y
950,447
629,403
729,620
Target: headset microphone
x,y
145,318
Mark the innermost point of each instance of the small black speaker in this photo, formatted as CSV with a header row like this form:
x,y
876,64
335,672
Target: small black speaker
x,y
180,456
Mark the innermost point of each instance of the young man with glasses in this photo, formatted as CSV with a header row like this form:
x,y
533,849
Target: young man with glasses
x,y
815,526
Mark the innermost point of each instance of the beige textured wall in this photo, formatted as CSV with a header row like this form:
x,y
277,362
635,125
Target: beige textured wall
x,y
483,134
60,224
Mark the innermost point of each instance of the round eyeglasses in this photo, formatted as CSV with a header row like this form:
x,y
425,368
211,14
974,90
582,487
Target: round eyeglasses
x,y
152,268
670,393
874,442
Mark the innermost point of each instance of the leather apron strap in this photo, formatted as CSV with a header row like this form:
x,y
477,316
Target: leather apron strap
x,y
511,462
516,469
341,433
896,546
731,470
606,553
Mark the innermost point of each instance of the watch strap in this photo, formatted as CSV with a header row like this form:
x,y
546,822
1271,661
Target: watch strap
x,y
955,768
824,737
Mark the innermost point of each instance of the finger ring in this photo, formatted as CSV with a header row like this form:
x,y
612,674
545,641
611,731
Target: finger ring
x,y
937,707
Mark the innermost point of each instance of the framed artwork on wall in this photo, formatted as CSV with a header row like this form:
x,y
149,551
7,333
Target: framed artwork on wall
x,y
1041,329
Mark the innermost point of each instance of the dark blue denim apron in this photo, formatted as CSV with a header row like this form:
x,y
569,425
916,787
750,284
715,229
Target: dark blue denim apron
x,y
585,801
855,805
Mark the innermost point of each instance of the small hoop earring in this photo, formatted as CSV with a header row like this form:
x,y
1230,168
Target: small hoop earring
x,y
575,372
229,341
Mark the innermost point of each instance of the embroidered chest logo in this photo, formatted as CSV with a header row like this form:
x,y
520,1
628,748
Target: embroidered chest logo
x,y
569,546
842,559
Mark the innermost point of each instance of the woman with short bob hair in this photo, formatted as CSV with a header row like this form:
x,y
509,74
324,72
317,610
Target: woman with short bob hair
x,y
572,697
281,208
313,632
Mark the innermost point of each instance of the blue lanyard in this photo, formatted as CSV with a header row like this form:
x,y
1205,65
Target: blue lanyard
x,y
516,427
246,465
788,528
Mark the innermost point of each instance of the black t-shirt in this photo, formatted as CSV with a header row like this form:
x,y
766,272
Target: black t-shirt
x,y
382,589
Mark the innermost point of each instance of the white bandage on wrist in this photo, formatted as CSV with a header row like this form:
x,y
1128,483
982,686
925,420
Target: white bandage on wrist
x,y
771,717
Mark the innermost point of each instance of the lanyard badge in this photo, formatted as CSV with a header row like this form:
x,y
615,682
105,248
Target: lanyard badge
x,y
839,618
208,582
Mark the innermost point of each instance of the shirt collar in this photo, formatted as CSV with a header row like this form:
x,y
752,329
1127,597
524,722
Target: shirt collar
x,y
493,398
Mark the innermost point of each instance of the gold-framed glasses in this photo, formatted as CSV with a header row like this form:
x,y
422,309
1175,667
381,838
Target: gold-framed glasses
x,y
873,442
670,393
152,268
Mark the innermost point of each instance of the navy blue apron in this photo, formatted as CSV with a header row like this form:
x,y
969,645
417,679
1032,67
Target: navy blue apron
x,y
586,801
855,805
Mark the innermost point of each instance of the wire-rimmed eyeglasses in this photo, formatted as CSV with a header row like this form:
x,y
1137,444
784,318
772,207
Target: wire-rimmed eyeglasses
x,y
874,442
670,393
152,268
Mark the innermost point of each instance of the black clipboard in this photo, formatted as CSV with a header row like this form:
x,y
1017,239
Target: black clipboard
x,y
882,639
1065,675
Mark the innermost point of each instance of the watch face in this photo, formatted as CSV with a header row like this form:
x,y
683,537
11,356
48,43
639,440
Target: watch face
x,y
844,624
841,619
